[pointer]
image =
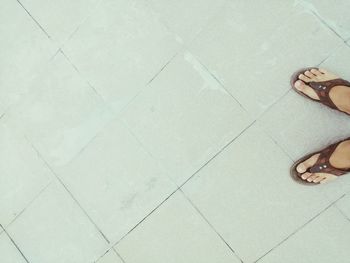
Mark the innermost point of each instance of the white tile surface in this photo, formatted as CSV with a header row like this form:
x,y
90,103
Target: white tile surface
x,y
175,233
22,174
339,62
110,257
326,239
116,181
60,18
61,115
186,18
334,15
24,48
344,205
54,229
301,126
245,53
9,253
142,95
249,197
120,48
185,117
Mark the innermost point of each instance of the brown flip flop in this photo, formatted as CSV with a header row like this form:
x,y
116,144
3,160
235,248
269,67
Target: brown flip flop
x,y
322,165
322,88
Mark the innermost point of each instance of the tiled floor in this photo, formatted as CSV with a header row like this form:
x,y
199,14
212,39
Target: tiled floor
x,y
159,131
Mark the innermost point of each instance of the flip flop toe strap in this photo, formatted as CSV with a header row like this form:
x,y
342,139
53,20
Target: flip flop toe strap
x,y
323,88
324,166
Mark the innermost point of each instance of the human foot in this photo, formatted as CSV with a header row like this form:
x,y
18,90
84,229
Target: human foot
x,y
323,166
324,87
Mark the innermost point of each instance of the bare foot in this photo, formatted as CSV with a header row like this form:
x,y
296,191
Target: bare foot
x,y
340,159
340,95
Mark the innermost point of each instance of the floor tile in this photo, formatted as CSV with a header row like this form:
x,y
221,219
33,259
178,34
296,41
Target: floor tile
x,y
301,127
24,48
339,62
61,115
245,54
108,106
185,117
110,257
326,239
186,18
344,205
334,15
116,181
61,231
120,48
8,251
60,18
175,233
246,193
22,174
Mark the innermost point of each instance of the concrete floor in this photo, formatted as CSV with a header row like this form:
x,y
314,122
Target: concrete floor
x,y
158,131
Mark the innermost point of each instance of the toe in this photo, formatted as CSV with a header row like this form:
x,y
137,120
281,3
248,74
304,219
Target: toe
x,y
304,78
312,178
323,71
309,74
308,91
319,179
305,176
316,72
328,177
302,167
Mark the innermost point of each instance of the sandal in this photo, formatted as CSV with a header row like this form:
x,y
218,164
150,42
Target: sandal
x,y
322,165
322,88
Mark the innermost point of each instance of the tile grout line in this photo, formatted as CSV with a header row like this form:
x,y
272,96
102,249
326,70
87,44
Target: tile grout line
x,y
121,258
145,218
29,204
14,243
162,68
290,88
300,228
341,211
218,153
221,84
179,187
70,194
80,75
211,226
108,251
36,22
276,102
326,25
81,23
145,86
147,151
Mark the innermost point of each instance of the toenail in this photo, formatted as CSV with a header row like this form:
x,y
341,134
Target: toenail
x,y
300,169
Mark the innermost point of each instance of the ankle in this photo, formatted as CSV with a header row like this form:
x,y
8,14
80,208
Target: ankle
x,y
341,156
